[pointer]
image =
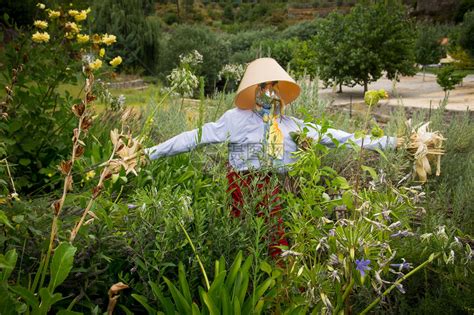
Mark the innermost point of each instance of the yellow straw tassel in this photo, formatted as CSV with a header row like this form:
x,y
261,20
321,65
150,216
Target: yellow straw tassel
x,y
275,140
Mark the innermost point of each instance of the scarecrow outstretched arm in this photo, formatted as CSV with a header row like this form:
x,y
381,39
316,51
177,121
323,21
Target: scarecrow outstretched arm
x,y
213,132
344,138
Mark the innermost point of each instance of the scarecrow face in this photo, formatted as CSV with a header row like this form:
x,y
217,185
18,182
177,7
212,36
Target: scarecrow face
x,y
267,95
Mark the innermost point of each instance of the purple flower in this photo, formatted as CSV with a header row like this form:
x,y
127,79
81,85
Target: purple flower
x,y
363,266
402,234
401,266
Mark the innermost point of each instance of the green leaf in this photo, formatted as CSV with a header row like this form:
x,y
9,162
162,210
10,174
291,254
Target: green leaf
x,y
225,301
4,219
265,267
237,308
233,270
143,301
47,300
183,282
61,264
7,263
195,309
25,162
372,172
183,306
166,302
26,295
211,306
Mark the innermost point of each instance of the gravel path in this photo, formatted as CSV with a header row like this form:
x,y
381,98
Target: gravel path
x,y
410,92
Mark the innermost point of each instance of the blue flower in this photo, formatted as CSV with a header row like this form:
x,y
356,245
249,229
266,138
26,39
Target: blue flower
x,y
402,265
363,266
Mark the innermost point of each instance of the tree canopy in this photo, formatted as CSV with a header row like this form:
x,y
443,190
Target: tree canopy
x,y
359,47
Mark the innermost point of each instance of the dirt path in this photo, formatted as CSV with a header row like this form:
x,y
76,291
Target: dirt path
x,y
410,92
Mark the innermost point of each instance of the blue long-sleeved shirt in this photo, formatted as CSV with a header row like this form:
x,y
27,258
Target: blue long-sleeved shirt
x,y
244,130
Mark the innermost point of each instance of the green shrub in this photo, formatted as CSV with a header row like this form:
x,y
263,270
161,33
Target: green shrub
x,y
186,38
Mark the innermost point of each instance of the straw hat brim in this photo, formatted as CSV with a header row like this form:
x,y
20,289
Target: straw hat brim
x,y
260,71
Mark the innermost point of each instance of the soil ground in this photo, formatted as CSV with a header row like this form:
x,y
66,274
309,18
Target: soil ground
x,y
409,92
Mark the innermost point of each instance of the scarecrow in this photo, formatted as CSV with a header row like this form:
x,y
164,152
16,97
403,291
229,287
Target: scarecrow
x,y
260,138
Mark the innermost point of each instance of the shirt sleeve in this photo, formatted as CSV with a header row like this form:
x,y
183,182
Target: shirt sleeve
x,y
344,138
213,132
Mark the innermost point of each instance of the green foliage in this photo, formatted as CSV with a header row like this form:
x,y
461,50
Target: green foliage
x,y
32,299
466,40
302,31
448,78
37,130
427,46
229,292
463,7
185,39
358,47
138,32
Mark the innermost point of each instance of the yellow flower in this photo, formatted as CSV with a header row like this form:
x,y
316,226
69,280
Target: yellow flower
x,y
81,16
82,38
102,52
39,37
41,24
69,35
41,6
88,10
90,175
72,27
116,61
96,64
54,14
96,39
109,39
73,12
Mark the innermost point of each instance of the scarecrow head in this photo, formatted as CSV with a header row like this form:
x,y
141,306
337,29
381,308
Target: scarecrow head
x,y
266,84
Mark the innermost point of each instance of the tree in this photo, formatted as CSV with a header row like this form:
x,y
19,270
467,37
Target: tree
x,y
136,28
466,37
427,47
332,51
448,78
359,47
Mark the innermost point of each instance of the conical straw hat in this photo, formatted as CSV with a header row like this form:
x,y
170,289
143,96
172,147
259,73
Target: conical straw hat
x,y
265,70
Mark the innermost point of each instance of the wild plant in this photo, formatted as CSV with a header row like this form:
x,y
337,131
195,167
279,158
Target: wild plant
x,y
345,239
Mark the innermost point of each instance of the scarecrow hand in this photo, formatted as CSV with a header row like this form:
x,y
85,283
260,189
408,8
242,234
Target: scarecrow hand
x,y
400,142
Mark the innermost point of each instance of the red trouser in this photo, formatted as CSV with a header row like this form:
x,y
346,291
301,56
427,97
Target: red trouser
x,y
239,182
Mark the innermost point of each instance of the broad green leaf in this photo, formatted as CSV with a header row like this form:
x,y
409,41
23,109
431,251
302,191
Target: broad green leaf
x,y
7,263
61,264
166,302
371,170
265,267
217,284
4,219
182,304
195,309
211,306
183,282
47,300
225,302
26,295
143,301
233,270
237,308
